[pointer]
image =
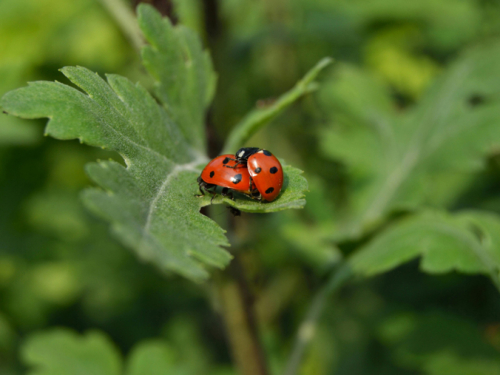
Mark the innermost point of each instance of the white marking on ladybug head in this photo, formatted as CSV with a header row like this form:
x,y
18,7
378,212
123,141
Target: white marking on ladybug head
x,y
241,154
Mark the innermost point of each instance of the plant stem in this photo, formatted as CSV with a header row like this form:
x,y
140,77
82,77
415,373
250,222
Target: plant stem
x,y
231,285
239,318
212,20
259,117
307,328
127,21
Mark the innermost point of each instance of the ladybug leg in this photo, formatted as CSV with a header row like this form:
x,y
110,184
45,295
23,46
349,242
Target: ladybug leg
x,y
201,184
237,165
227,160
202,193
203,187
234,211
256,195
213,196
227,193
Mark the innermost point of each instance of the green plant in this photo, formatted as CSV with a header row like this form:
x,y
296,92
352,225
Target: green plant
x,y
151,203
405,167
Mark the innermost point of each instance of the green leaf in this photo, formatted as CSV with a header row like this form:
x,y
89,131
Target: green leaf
x,y
364,116
468,242
312,243
436,343
62,352
393,55
152,357
7,333
258,118
151,202
423,155
148,203
185,80
451,364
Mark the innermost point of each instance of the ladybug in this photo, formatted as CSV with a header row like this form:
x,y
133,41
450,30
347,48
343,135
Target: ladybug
x,y
233,178
264,169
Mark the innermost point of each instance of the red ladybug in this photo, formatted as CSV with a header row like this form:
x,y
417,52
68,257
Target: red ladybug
x,y
233,178
264,169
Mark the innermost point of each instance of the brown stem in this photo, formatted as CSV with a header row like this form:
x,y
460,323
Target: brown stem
x,y
214,32
232,287
239,318
212,19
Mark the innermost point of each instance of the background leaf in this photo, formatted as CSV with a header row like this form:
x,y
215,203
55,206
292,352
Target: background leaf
x,y
259,117
426,154
467,242
435,342
152,358
185,80
62,352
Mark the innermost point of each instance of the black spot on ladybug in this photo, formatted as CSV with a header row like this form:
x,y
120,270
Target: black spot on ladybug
x,y
270,190
236,179
225,161
212,174
273,170
267,153
257,170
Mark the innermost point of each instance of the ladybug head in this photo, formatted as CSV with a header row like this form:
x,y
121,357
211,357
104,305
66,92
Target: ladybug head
x,y
245,152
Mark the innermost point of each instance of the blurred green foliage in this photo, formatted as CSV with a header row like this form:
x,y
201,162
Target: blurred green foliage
x,y
60,267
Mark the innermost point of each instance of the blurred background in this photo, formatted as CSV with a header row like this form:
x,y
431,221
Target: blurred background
x,y
59,266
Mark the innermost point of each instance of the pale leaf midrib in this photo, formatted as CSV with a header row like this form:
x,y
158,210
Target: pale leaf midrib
x,y
177,169
447,229
412,156
477,248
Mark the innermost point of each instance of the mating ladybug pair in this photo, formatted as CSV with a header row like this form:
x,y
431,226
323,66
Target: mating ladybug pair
x,y
251,171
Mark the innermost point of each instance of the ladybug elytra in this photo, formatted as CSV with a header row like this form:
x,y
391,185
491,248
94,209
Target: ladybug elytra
x,y
264,169
233,178
252,171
